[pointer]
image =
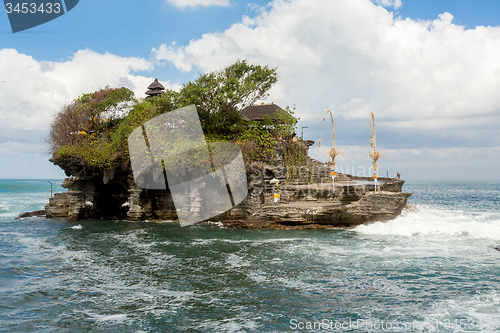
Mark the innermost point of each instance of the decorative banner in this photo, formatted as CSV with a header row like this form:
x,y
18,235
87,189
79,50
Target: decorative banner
x,y
31,13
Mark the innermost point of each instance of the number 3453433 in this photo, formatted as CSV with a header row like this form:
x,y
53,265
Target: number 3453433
x,y
27,8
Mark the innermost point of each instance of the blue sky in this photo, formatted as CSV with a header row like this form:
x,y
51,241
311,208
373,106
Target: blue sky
x,y
429,70
126,28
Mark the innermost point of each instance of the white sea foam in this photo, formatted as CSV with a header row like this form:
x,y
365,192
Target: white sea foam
x,y
202,242
215,224
77,227
236,261
239,324
4,206
259,241
258,276
479,312
431,221
115,318
166,221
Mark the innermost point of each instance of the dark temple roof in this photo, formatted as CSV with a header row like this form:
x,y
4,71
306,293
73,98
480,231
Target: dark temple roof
x,y
155,89
156,85
258,112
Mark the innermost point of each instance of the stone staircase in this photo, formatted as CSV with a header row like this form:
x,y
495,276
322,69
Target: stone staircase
x,y
348,195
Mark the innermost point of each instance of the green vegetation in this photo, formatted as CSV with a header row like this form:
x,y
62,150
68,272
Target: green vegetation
x,y
219,95
94,128
258,139
83,129
295,158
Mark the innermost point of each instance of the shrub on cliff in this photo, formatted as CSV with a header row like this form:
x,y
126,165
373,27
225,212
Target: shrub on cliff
x,y
94,128
258,139
81,129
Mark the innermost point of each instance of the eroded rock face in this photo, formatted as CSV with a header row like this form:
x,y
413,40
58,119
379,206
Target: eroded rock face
x,y
31,214
91,193
58,207
373,206
114,194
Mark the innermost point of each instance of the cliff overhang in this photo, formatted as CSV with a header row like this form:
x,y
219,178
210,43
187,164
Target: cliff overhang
x,y
310,200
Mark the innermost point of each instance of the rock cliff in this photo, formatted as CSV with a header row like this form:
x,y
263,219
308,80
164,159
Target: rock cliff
x,y
372,207
308,198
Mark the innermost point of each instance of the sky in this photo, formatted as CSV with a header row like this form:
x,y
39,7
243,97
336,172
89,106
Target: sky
x,y
428,70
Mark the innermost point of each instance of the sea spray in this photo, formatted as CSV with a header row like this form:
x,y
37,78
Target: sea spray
x,y
444,222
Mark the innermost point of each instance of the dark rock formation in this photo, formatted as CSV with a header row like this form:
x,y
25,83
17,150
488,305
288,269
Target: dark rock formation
x,y
31,214
372,207
375,206
91,193
308,199
109,194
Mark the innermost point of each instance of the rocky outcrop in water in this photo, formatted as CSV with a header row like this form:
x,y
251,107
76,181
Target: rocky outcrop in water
x,y
31,214
308,199
372,207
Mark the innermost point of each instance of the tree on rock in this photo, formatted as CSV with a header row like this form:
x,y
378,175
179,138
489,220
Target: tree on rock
x,y
219,95
81,129
93,129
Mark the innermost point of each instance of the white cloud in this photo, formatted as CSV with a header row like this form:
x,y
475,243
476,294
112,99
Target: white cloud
x,y
11,148
182,4
389,3
430,163
176,56
354,57
32,91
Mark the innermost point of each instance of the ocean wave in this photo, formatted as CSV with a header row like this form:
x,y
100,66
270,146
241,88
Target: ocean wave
x,y
103,318
432,221
235,261
4,207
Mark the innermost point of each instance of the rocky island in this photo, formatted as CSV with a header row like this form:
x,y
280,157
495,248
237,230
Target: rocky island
x,y
302,205
286,188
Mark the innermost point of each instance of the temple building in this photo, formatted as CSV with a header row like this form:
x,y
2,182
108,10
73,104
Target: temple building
x,y
155,89
257,112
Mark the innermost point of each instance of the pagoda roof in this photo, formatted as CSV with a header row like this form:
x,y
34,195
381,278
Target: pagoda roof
x,y
154,92
156,85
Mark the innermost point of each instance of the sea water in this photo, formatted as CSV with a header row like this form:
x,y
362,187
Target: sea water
x,y
432,269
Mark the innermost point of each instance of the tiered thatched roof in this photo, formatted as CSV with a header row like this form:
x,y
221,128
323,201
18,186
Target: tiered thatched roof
x,y
155,89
